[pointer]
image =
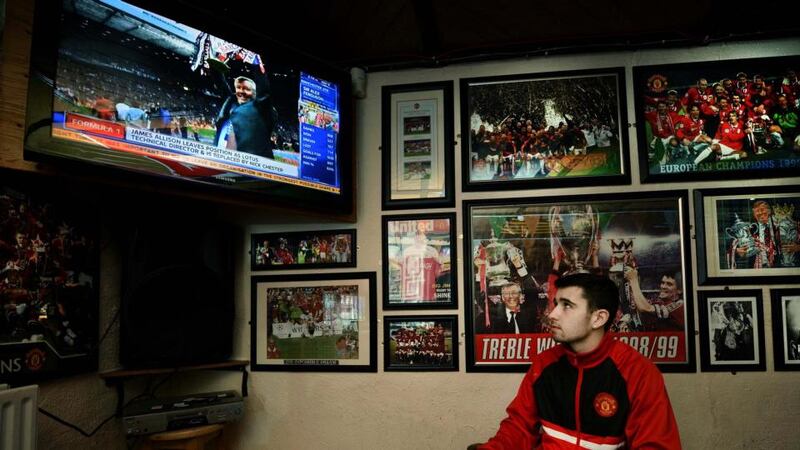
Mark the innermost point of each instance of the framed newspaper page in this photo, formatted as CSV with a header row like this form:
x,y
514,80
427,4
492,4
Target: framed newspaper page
x,y
731,331
786,328
417,145
747,235
419,257
323,322
544,130
516,249
684,126
420,343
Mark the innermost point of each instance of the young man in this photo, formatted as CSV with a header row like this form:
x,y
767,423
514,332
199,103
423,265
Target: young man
x,y
591,391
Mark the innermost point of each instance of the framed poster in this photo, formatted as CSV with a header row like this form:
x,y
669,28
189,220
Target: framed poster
x,y
544,130
747,235
684,125
49,279
417,145
303,250
786,328
321,322
420,343
419,255
731,331
518,248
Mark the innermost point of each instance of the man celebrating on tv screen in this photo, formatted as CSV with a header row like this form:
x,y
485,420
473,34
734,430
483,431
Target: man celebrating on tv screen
x,y
592,391
247,117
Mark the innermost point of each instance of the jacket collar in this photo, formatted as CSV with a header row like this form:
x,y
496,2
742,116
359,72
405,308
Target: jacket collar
x,y
591,358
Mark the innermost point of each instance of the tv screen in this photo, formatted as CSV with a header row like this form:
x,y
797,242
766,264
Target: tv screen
x,y
120,86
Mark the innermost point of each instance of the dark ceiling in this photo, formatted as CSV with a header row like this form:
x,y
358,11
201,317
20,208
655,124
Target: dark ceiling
x,y
385,35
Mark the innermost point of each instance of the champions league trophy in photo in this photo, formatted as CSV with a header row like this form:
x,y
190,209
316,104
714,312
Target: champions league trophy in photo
x,y
621,259
740,233
573,231
787,226
497,270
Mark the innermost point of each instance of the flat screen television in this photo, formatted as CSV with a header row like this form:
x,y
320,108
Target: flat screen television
x,y
165,89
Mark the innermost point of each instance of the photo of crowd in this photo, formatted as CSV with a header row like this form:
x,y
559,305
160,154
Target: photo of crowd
x,y
730,115
526,129
732,329
419,344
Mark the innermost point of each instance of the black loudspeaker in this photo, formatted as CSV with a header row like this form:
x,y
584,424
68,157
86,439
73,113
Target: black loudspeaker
x,y
177,302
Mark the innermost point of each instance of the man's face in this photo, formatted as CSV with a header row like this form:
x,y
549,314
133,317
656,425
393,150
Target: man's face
x,y
702,84
511,297
695,112
21,239
727,84
570,320
244,91
662,108
668,289
762,212
783,103
733,117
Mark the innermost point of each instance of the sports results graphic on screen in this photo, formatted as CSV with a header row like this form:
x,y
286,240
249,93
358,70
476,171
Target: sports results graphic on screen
x,y
152,95
518,251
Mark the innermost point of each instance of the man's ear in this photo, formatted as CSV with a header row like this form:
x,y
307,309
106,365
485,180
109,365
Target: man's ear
x,y
599,318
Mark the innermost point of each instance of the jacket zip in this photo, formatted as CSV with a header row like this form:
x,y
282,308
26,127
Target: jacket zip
x,y
578,406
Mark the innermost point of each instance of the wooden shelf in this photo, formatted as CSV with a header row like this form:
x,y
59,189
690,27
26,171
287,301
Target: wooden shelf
x,y
118,377
129,373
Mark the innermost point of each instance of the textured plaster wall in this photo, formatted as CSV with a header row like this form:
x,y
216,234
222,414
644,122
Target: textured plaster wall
x,y
393,410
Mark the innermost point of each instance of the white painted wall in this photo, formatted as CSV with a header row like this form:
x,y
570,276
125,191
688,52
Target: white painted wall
x,y
451,410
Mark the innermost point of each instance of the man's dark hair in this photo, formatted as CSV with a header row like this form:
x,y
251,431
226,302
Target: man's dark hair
x,y
600,292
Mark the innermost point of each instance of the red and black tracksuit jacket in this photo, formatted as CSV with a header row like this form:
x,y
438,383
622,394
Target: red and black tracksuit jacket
x,y
609,398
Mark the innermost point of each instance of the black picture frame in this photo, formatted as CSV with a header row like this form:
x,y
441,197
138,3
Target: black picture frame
x,y
50,241
730,342
318,249
423,353
421,174
419,261
785,325
536,169
510,241
725,222
654,82
344,340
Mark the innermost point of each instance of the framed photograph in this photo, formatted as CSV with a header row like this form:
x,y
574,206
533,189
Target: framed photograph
x,y
747,235
303,250
685,129
544,130
420,343
323,322
518,248
731,331
417,145
49,279
419,256
786,328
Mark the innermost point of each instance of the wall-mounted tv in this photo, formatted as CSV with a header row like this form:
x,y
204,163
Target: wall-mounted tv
x,y
119,86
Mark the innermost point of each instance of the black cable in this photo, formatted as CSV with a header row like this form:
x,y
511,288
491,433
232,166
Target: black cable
x,y
74,427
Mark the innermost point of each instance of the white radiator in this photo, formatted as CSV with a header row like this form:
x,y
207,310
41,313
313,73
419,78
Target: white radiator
x,y
18,408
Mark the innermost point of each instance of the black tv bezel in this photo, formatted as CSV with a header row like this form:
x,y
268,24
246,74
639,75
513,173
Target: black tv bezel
x,y
39,114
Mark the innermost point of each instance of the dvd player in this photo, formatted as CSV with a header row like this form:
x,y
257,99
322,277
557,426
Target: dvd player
x,y
153,416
